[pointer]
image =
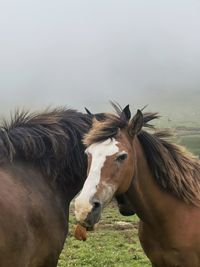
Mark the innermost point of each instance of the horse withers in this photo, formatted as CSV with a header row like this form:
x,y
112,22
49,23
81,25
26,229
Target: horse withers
x,y
42,167
159,180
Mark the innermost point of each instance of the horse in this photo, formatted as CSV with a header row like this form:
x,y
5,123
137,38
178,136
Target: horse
x,y
42,167
152,177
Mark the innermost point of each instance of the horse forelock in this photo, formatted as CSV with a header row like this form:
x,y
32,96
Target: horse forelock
x,y
109,125
51,140
102,130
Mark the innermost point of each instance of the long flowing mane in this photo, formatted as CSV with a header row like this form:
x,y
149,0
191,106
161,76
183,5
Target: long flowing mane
x,y
174,168
50,140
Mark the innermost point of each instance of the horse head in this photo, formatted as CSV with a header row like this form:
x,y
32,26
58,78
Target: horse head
x,y
111,165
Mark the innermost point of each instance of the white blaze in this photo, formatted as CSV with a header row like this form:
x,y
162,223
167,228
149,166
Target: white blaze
x,y
99,152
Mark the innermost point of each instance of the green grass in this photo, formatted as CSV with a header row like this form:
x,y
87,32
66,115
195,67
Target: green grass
x,y
111,244
192,142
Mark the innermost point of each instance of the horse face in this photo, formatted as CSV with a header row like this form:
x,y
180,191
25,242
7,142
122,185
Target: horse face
x,y
110,172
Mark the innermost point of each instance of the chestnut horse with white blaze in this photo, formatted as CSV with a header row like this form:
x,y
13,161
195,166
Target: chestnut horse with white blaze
x,y
158,180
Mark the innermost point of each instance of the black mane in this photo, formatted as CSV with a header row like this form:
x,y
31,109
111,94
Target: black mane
x,y
50,140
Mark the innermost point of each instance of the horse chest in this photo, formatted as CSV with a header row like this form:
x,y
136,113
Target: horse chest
x,y
165,254
170,257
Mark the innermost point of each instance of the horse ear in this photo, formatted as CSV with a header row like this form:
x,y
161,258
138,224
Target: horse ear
x,y
126,114
97,116
88,112
136,123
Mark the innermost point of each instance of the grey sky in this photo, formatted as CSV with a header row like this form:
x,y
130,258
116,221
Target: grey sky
x,y
84,53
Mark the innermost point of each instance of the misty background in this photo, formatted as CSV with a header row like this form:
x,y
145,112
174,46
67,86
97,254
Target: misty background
x,y
84,53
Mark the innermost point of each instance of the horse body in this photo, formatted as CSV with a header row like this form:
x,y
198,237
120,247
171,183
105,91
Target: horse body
x,y
42,167
154,178
33,218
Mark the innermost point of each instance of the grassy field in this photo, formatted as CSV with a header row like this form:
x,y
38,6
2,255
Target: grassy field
x,y
115,241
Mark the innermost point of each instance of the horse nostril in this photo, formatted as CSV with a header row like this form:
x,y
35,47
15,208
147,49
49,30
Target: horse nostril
x,y
96,205
95,214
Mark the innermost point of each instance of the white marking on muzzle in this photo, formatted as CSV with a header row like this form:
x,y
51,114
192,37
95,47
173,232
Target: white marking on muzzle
x,y
99,152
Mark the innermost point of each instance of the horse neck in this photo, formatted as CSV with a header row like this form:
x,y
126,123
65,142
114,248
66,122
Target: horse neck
x,y
149,200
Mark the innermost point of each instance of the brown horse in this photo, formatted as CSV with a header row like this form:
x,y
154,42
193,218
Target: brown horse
x,y
42,167
157,179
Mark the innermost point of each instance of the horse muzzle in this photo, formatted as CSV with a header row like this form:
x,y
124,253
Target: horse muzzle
x,y
90,218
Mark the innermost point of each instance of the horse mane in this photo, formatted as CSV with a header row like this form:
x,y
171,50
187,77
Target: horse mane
x,y
50,140
176,170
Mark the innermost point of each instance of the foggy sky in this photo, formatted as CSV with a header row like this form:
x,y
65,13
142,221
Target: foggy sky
x,y
85,53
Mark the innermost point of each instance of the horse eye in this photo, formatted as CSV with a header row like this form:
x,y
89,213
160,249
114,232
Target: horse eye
x,y
121,157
